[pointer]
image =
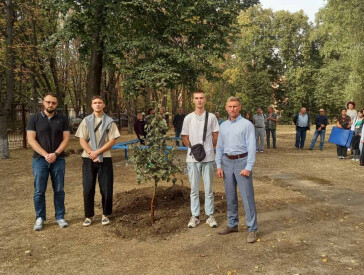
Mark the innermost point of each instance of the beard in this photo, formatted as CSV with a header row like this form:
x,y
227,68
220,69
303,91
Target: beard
x,y
50,111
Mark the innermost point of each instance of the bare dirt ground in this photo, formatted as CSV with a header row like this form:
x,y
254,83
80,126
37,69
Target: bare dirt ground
x,y
310,214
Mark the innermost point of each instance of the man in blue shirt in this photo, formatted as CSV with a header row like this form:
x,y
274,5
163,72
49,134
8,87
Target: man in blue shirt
x,y
235,157
321,123
302,122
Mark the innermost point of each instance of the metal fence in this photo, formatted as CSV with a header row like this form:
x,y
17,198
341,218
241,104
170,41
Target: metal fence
x,y
17,121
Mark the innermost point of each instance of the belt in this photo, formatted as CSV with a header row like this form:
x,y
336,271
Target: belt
x,y
236,156
259,127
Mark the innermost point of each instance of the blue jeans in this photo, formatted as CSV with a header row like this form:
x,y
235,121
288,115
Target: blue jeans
x,y
41,171
322,139
207,170
268,131
232,178
300,136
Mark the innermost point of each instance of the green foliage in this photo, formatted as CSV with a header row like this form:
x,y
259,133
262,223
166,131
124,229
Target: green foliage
x,y
167,44
154,161
340,35
276,61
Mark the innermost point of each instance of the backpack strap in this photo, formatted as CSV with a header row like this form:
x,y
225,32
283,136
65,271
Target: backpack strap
x,y
205,127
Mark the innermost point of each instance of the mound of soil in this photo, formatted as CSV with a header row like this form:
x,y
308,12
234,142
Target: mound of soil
x,y
171,212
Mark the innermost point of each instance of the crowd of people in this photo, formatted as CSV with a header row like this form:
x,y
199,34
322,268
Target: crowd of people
x,y
236,141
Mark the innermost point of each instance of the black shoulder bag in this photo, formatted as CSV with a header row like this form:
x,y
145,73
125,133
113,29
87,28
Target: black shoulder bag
x,y
197,150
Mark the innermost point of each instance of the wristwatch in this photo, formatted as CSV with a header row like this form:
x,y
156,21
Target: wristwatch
x,y
56,154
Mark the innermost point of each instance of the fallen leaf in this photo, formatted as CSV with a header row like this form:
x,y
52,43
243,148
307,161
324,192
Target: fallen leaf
x,y
324,260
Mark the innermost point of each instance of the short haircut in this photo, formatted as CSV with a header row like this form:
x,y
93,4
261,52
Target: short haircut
x,y
233,98
97,97
49,94
342,109
198,92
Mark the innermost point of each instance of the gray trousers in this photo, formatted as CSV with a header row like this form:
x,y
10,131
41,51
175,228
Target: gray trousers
x,y
259,138
232,177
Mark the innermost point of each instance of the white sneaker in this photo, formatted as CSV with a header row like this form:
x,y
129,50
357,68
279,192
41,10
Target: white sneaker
x,y
62,223
87,222
105,220
38,224
211,222
193,222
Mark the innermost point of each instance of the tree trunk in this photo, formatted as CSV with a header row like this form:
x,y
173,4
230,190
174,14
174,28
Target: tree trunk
x,y
95,68
59,92
10,82
175,103
130,108
152,204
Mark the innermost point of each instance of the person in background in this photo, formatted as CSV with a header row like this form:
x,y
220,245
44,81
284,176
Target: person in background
x,y
321,122
357,127
248,117
219,119
48,133
351,112
139,128
178,123
151,111
259,124
302,122
343,122
271,126
361,146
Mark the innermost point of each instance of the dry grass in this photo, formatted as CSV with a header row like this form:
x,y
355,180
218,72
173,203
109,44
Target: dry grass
x,y
310,214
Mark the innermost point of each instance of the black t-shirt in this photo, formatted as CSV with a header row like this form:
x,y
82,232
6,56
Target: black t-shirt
x,y
49,131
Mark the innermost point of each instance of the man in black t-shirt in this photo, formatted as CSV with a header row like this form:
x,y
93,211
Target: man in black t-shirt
x,y
178,123
48,134
321,122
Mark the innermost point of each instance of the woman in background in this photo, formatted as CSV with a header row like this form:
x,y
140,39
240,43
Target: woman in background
x,y
343,122
357,127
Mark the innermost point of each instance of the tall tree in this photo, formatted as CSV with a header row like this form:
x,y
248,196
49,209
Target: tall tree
x,y
7,99
340,32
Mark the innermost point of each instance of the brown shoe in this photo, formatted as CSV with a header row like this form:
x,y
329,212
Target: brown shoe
x,y
228,230
252,237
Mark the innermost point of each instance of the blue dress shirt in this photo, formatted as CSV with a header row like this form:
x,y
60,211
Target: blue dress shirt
x,y
236,137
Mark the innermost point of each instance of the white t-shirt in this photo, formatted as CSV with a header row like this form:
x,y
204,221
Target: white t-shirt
x,y
193,127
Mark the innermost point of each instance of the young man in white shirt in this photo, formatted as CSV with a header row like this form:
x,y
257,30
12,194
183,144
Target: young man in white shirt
x,y
192,134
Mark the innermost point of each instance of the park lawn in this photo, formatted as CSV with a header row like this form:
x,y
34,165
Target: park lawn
x,y
310,214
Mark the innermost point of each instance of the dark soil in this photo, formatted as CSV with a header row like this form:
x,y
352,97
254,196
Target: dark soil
x,y
172,211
